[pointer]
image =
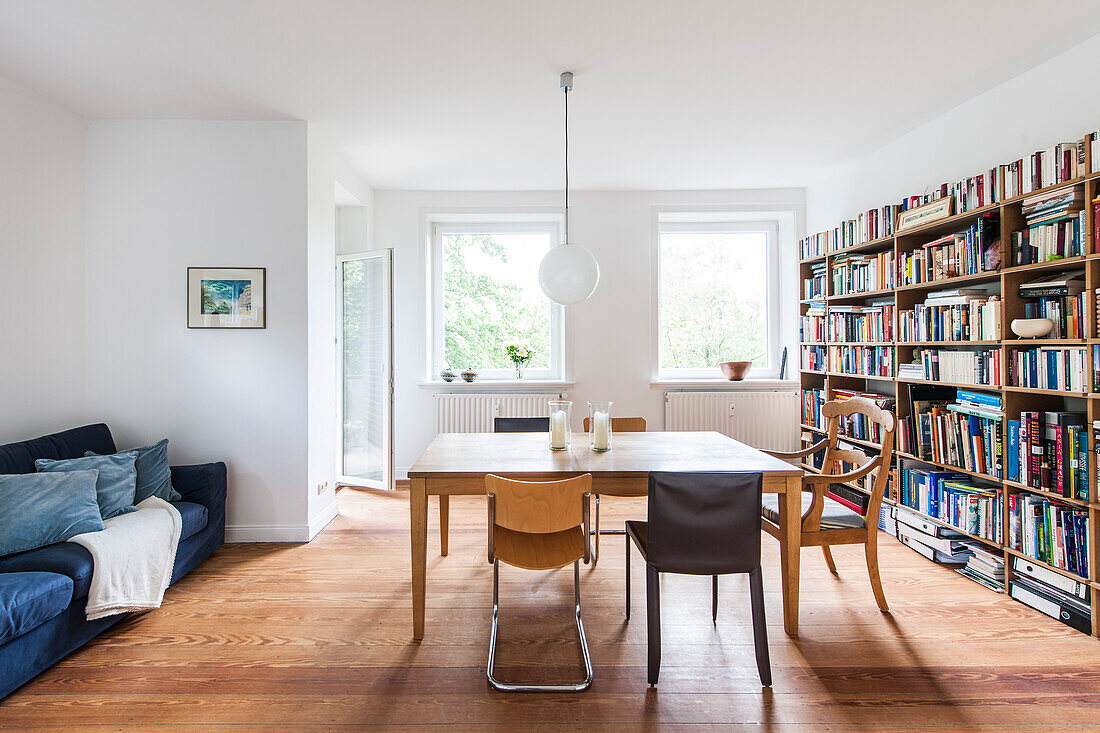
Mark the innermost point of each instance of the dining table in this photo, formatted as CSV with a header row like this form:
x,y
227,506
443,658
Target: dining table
x,y
457,463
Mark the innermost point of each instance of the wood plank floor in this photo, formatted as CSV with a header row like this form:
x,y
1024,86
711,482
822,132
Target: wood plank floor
x,y
317,637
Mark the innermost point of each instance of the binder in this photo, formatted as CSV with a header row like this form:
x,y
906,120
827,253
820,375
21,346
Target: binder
x,y
1045,604
1055,580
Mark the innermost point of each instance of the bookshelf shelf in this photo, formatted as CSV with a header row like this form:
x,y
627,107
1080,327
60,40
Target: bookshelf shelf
x,y
1003,281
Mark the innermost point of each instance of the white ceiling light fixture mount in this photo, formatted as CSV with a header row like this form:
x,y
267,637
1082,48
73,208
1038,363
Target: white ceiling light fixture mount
x,y
568,273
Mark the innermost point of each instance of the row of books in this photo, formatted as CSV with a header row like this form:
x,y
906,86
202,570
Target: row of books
x,y
814,285
811,326
982,366
970,252
985,567
956,315
871,322
954,499
870,361
1049,451
1043,242
1041,169
812,402
815,245
858,426
862,273
814,358
1048,367
1050,531
965,433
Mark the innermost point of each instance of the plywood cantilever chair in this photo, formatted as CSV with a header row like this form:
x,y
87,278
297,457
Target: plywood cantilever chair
x,y
826,522
539,526
618,425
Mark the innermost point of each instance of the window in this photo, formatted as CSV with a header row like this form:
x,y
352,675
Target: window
x,y
717,297
487,296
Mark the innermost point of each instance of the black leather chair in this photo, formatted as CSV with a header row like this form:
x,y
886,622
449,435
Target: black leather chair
x,y
521,425
701,524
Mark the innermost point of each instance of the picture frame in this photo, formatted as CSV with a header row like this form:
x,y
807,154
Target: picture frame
x,y
227,297
938,209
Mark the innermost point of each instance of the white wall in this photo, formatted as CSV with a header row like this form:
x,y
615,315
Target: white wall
x,y
165,195
41,265
326,169
611,363
1053,102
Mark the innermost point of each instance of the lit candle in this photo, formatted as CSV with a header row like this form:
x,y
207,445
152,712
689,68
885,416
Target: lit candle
x,y
558,430
601,431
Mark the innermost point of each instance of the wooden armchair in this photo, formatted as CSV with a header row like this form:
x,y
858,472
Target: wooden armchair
x,y
826,522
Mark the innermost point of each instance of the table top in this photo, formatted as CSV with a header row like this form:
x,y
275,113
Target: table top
x,y
632,454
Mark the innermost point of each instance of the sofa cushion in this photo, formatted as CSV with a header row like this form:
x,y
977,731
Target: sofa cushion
x,y
20,457
39,509
117,482
28,600
64,558
194,518
154,475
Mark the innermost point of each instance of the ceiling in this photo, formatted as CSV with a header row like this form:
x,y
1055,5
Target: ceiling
x,y
463,94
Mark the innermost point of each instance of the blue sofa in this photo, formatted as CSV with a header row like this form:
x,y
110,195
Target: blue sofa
x,y
43,591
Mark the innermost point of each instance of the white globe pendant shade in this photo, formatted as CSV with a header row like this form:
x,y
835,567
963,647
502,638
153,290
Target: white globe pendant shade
x,y
568,274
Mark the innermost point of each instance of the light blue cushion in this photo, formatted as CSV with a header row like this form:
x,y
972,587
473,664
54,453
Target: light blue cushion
x,y
39,509
117,482
154,475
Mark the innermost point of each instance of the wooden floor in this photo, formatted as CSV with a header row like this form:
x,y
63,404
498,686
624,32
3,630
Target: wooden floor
x,y
317,637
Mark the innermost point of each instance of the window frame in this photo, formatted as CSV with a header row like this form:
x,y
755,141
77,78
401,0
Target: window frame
x,y
721,222
438,228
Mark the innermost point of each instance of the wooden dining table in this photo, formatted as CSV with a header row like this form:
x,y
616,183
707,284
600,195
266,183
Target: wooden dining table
x,y
457,463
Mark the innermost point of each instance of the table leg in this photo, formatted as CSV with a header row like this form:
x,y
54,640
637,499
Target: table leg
x,y
444,522
418,514
790,550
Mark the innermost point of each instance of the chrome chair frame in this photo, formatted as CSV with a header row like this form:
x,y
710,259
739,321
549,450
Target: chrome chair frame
x,y
558,687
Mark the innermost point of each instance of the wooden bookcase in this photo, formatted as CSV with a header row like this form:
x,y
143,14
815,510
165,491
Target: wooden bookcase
x,y
1014,399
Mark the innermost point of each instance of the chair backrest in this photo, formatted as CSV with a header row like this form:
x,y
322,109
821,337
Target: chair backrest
x,y
704,523
623,424
833,411
521,425
538,507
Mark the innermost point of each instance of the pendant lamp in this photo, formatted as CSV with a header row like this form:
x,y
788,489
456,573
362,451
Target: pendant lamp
x,y
568,273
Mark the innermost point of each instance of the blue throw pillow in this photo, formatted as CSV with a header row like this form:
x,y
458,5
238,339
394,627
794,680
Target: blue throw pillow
x,y
39,509
154,475
117,482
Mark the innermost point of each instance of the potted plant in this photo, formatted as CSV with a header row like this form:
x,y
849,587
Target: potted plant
x,y
519,355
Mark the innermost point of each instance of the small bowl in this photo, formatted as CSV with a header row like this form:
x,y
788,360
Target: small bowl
x,y
469,375
735,371
447,375
1027,328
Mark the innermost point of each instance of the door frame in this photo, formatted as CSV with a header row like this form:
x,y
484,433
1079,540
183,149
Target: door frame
x,y
388,482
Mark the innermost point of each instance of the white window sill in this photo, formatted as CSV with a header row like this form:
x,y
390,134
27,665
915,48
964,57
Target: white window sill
x,y
745,385
498,385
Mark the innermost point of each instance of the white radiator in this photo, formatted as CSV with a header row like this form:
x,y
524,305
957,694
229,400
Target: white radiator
x,y
766,420
474,413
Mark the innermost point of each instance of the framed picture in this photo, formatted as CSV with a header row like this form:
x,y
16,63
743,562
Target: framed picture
x,y
226,297
938,209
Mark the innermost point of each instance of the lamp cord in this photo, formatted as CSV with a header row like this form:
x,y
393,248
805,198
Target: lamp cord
x,y
567,166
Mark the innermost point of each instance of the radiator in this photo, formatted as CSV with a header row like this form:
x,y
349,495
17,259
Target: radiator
x,y
766,420
474,413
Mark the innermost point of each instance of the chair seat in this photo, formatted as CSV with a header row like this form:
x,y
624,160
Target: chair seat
x,y
639,532
834,516
538,551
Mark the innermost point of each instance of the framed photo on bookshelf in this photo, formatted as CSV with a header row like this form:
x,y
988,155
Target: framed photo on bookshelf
x,y
227,297
938,209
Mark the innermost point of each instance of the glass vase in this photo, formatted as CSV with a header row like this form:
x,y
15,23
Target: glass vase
x,y
599,426
561,418
521,366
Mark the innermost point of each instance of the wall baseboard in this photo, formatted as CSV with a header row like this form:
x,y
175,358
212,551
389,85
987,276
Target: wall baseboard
x,y
322,520
267,533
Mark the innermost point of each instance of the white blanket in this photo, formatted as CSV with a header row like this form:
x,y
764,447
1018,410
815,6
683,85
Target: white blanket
x,y
133,558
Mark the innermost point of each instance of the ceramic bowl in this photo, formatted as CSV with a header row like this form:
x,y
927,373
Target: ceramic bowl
x,y
469,375
1028,328
735,371
447,375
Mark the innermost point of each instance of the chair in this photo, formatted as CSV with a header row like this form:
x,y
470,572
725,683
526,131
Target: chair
x,y
618,425
522,425
701,524
539,526
826,522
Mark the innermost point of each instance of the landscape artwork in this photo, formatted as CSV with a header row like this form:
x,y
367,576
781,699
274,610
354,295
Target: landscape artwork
x,y
226,297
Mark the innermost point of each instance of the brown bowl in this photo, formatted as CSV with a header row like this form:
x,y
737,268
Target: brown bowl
x,y
735,371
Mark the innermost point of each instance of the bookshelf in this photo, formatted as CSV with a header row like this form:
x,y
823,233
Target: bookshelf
x,y
1003,280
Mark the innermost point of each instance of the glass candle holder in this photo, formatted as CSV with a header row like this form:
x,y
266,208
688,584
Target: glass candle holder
x,y
599,426
561,418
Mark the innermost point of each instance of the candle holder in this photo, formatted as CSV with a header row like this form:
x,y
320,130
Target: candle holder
x,y
599,426
561,419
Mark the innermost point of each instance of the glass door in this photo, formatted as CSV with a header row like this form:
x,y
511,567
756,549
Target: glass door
x,y
365,355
